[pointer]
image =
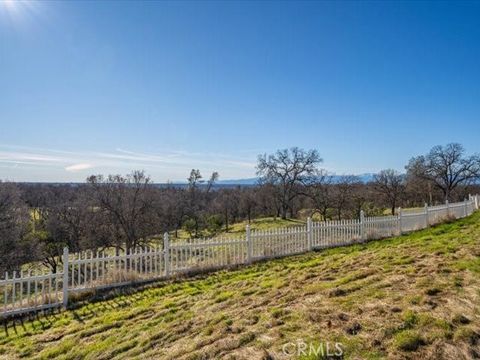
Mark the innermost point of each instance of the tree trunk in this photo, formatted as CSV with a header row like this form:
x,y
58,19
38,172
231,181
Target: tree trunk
x,y
324,213
196,227
226,221
292,212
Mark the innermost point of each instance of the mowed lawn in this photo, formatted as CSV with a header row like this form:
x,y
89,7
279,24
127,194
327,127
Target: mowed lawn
x,y
415,296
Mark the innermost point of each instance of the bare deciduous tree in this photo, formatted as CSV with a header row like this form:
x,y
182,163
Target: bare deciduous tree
x,y
446,167
14,248
129,203
342,194
248,202
391,184
198,199
287,170
319,190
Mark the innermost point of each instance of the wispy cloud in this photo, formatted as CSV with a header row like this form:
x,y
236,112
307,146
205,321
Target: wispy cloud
x,y
171,165
25,156
78,167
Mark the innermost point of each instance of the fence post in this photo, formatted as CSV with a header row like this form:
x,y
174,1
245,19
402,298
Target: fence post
x,y
65,277
448,208
476,202
400,220
362,226
249,244
427,220
309,234
465,209
166,254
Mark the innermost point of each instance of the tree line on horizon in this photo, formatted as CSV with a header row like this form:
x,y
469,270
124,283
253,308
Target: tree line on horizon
x,y
125,212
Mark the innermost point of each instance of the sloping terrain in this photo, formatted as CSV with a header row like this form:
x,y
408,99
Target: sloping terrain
x,y
415,296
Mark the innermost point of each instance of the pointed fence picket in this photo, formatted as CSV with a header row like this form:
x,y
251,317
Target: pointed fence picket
x,y
88,270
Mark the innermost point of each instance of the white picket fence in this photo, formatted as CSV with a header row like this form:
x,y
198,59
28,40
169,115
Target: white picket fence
x,y
87,271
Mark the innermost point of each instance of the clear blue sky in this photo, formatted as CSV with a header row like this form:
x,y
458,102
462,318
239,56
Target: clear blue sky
x,y
107,87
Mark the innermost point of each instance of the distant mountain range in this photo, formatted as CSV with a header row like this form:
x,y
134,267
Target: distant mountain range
x,y
253,181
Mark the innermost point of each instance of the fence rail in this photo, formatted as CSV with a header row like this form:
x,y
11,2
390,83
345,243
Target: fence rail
x,y
22,293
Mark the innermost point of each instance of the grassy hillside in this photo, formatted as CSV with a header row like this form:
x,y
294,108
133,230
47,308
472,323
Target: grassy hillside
x,y
415,296
238,228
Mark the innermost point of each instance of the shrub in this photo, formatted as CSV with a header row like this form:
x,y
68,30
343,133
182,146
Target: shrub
x,y
214,224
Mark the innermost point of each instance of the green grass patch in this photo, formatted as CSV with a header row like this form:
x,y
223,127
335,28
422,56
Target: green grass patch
x,y
408,340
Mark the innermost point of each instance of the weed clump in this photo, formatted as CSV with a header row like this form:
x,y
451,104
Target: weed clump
x,y
466,334
408,340
223,296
